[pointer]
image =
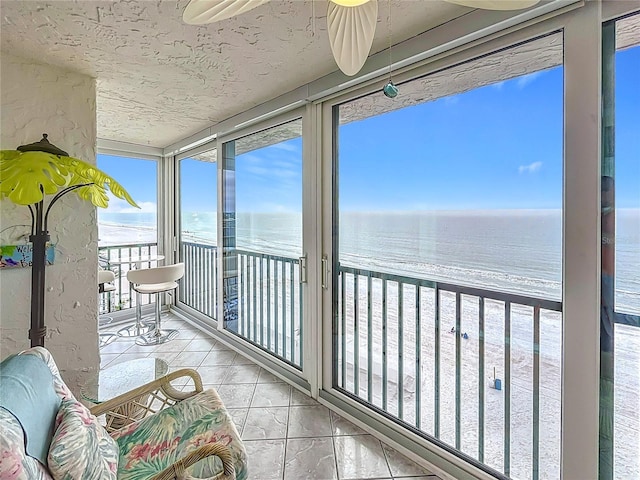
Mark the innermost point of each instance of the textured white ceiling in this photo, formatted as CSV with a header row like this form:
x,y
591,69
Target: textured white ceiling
x,y
160,80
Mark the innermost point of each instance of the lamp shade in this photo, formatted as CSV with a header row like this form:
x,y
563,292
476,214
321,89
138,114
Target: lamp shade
x,y
43,145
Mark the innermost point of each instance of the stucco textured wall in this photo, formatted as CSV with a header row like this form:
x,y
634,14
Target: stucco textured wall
x,y
37,99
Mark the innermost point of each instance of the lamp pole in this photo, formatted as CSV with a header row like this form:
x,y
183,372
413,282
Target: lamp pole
x,y
39,238
44,167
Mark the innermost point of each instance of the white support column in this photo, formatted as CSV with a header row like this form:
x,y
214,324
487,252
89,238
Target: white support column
x,y
312,248
581,247
35,99
326,294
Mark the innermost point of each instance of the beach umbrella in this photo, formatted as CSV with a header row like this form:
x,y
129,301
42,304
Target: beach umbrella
x,y
27,176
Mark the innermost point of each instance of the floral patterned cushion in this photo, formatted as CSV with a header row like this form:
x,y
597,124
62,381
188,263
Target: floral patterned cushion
x,y
81,449
149,446
14,462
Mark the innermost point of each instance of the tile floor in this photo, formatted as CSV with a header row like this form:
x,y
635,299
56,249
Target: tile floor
x,y
288,435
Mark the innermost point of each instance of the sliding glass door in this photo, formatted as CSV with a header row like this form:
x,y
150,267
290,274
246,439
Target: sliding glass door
x,y
262,239
126,232
198,231
447,257
620,199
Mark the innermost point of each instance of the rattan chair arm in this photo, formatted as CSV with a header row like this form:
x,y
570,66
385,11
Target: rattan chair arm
x,y
162,383
178,471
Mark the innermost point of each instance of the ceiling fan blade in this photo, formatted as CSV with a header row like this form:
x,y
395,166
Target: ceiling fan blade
x,y
199,12
495,4
351,31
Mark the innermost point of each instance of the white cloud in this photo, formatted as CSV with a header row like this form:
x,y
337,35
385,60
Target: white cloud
x,y
257,170
286,147
451,100
499,85
252,159
527,79
117,205
531,168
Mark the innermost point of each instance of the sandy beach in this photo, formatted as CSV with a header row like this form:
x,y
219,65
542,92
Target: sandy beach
x,y
627,418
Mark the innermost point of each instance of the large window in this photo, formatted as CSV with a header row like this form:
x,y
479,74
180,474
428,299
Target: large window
x,y
125,232
198,231
620,187
121,223
262,235
448,257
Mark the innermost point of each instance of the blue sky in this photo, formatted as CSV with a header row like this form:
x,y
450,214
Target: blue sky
x,y
496,147
138,177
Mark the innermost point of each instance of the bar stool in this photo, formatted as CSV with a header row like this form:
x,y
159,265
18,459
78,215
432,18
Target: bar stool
x,y
105,277
155,281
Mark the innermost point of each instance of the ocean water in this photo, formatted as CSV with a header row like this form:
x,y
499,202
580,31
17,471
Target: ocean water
x,y
517,251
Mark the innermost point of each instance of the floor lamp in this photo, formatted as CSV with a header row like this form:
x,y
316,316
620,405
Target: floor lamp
x,y
27,176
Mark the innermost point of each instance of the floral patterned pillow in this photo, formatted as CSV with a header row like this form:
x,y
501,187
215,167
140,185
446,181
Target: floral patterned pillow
x,y
14,462
81,448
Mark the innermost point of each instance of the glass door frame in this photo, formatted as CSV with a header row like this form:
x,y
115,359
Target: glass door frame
x,y
174,231
305,378
611,317
581,28
143,152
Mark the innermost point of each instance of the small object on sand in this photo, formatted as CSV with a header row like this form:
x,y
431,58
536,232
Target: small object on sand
x,y
453,329
465,336
496,383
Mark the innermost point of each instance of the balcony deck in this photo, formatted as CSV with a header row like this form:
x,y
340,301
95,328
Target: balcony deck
x,y
288,435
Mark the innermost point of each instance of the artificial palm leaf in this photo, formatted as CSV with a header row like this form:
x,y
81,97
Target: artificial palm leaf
x,y
25,177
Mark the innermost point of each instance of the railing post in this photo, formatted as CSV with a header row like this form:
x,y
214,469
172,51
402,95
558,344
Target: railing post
x,y
481,379
436,362
507,388
400,351
369,342
385,378
418,357
458,367
536,393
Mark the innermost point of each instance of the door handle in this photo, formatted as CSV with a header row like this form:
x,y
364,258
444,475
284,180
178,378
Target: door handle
x,y
303,269
325,272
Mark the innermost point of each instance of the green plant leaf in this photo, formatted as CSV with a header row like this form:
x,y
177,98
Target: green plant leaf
x,y
25,177
84,172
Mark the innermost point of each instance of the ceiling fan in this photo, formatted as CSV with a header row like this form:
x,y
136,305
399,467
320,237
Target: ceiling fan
x,y
351,24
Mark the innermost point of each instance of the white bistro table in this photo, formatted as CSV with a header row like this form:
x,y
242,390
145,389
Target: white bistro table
x,y
140,327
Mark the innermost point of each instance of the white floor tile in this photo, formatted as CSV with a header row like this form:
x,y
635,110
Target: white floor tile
x,y
271,395
265,459
310,458
236,395
266,423
306,421
360,456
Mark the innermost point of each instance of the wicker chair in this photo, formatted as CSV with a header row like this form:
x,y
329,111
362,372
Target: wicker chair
x,y
160,433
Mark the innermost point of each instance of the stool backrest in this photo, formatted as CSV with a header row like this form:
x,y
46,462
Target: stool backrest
x,y
105,276
150,276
